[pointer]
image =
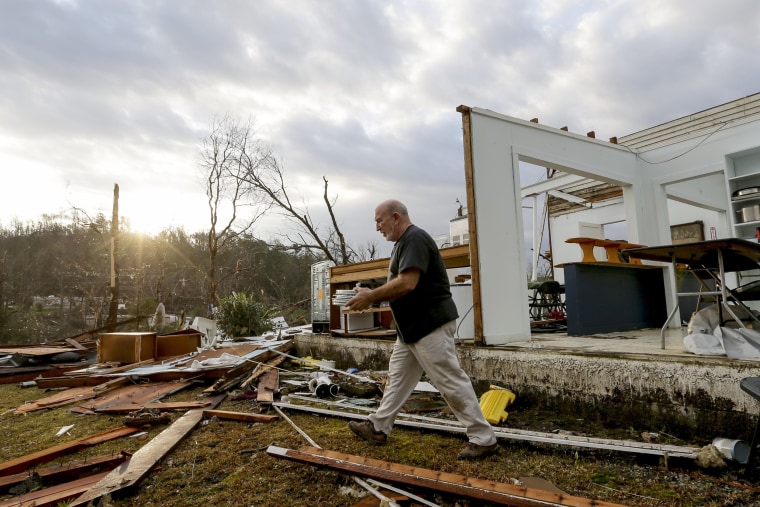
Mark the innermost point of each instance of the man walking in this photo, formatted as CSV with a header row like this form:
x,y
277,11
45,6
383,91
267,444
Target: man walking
x,y
425,315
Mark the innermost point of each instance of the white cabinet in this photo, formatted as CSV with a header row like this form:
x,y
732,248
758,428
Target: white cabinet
x,y
743,173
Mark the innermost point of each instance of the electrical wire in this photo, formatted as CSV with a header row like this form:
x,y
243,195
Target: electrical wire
x,y
708,136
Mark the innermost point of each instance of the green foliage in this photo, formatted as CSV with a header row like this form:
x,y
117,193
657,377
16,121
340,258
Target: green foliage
x,y
143,307
241,315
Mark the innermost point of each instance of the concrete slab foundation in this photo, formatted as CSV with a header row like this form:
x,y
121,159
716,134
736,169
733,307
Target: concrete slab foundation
x,y
621,378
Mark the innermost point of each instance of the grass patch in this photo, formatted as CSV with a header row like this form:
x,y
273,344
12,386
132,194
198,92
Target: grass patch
x,y
224,463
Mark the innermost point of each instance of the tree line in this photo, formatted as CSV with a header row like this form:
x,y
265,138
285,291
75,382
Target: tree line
x,y
54,276
67,274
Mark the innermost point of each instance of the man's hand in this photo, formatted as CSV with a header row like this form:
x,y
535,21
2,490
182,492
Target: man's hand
x,y
361,301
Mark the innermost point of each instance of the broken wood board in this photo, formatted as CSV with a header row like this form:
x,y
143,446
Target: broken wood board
x,y
240,416
258,372
36,350
108,369
672,451
54,495
59,399
236,375
268,384
12,375
58,382
133,470
455,484
132,394
66,471
373,501
24,462
163,406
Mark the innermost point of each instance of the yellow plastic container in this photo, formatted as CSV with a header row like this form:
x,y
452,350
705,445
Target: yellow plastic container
x,y
493,404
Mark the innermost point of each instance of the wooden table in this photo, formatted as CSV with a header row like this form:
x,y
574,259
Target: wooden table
x,y
707,260
612,248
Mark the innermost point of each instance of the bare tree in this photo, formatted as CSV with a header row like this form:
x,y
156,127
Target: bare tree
x,y
269,180
227,154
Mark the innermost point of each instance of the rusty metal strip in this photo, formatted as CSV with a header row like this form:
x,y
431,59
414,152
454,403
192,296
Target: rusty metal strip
x,y
461,485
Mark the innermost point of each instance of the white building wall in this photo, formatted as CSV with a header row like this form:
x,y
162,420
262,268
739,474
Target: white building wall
x,y
499,143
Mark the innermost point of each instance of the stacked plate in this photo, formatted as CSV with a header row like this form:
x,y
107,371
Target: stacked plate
x,y
342,297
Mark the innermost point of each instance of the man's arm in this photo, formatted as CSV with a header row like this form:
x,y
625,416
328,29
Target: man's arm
x,y
404,283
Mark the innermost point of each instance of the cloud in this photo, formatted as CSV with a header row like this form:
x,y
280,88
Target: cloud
x,y
362,93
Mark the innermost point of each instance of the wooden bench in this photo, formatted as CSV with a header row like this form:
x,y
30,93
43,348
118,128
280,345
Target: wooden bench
x,y
612,248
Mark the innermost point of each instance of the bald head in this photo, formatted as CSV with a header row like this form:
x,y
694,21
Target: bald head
x,y
391,219
393,206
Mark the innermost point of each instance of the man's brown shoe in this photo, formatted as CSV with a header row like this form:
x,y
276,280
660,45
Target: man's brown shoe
x,y
366,430
475,451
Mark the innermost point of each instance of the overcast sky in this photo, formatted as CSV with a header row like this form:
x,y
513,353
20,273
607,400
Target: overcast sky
x,y
364,93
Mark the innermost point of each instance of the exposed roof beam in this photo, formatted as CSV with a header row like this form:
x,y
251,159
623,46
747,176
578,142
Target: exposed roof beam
x,y
569,197
550,184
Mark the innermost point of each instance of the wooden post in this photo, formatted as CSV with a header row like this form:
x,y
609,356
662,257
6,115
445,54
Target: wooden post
x,y
113,306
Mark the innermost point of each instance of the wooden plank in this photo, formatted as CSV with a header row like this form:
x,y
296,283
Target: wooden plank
x,y
66,471
75,344
138,466
60,399
372,501
24,462
472,224
134,394
259,371
235,376
168,405
240,416
58,382
268,384
461,485
54,495
35,350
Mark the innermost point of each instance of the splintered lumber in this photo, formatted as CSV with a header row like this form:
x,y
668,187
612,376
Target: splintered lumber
x,y
131,394
236,375
259,371
58,382
372,501
455,484
66,471
163,406
54,495
60,399
268,384
24,462
135,468
240,416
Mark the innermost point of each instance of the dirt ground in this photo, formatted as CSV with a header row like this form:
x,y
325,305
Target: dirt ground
x,y
225,463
